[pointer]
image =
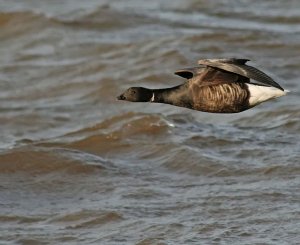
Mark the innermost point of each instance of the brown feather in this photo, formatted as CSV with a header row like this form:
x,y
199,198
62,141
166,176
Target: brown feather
x,y
213,76
222,98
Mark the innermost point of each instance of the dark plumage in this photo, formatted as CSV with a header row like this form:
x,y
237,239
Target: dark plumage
x,y
216,85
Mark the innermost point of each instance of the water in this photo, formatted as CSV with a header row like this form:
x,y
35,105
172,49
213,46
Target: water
x,y
79,167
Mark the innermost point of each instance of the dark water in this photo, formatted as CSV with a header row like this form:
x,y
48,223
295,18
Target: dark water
x,y
78,167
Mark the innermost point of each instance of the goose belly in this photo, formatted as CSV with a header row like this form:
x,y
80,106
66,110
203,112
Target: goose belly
x,y
259,94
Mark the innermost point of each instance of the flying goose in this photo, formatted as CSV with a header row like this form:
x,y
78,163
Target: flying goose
x,y
216,85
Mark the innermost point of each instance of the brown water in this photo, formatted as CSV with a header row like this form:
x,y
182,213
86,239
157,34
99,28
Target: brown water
x,y
78,167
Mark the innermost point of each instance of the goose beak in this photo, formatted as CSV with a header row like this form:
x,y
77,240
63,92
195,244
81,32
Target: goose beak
x,y
121,97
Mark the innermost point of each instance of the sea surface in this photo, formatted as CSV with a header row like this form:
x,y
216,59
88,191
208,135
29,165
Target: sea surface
x,y
79,167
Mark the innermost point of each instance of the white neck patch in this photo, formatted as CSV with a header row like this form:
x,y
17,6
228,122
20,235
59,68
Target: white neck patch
x,y
152,98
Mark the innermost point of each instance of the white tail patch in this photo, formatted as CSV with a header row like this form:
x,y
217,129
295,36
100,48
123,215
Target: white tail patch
x,y
259,94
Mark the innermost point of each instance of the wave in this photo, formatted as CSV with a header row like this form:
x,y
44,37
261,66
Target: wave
x,y
120,133
10,18
102,16
283,118
44,161
21,22
20,219
177,143
87,218
14,24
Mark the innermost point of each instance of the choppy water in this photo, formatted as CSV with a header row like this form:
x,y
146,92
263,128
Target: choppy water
x,y
78,167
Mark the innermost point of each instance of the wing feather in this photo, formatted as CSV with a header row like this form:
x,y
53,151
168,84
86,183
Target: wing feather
x,y
212,76
239,67
189,73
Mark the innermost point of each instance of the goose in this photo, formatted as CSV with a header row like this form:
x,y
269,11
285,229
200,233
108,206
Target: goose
x,y
215,86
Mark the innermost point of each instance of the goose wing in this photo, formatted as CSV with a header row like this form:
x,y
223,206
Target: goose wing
x,y
189,73
238,66
206,76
